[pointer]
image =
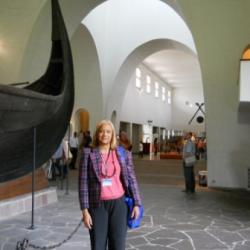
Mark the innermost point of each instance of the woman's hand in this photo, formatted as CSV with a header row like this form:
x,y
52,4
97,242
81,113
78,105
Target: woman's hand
x,y
87,220
135,212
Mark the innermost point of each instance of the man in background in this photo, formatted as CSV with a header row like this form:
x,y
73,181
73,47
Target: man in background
x,y
188,165
73,146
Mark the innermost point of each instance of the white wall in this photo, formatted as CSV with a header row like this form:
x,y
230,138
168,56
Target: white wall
x,y
139,106
219,52
16,25
182,113
88,88
37,51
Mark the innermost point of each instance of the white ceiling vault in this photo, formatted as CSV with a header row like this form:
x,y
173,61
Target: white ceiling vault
x,y
110,27
176,68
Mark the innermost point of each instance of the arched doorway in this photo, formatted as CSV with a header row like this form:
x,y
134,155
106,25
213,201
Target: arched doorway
x,y
81,121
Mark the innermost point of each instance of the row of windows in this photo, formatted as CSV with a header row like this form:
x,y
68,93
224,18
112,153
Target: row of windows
x,y
138,84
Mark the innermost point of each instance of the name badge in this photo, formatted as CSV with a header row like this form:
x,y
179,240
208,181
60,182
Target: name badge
x,y
107,182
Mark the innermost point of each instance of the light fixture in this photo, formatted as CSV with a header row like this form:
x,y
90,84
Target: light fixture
x,y
150,122
189,104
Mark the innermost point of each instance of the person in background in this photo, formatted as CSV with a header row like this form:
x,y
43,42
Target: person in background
x,y
87,140
141,149
124,141
73,146
106,175
201,148
80,137
58,162
86,143
188,150
155,146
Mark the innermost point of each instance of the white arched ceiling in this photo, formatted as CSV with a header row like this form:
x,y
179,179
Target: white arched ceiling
x,y
128,67
176,68
119,27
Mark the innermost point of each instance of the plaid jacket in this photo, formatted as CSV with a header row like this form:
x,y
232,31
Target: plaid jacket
x,y
90,182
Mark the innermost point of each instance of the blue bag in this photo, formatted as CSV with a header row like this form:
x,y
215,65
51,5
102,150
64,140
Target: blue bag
x,y
133,223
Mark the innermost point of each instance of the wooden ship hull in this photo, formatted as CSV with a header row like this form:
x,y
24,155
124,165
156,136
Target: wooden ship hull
x,y
45,105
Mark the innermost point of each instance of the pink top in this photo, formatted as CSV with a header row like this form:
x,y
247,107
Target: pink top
x,y
111,186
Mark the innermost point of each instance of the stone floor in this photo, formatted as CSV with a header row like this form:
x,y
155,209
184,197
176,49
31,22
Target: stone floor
x,y
207,220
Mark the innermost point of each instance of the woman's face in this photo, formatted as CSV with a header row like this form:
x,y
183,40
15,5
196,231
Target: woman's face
x,y
105,135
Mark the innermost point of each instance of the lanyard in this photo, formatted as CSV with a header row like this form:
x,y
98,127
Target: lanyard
x,y
106,166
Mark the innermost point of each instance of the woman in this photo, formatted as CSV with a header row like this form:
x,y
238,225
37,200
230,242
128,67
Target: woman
x,y
106,175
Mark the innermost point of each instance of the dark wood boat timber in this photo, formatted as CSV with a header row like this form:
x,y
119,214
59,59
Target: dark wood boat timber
x,y
45,105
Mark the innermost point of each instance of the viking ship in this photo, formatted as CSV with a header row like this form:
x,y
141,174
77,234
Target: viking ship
x,y
38,114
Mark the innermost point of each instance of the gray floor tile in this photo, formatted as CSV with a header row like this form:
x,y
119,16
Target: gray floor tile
x,y
208,220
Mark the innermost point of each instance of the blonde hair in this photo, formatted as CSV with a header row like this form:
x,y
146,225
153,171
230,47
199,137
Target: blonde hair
x,y
99,126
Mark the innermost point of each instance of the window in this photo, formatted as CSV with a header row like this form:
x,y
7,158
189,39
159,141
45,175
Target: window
x,y
138,73
148,86
138,83
138,78
163,134
156,89
163,94
169,97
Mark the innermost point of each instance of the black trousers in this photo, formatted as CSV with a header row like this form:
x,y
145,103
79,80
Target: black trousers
x,y
109,225
56,168
74,156
189,178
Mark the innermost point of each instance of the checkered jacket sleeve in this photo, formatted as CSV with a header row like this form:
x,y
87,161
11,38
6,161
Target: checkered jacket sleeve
x,y
132,181
83,179
130,177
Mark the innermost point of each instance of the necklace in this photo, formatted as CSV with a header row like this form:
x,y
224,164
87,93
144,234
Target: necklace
x,y
106,166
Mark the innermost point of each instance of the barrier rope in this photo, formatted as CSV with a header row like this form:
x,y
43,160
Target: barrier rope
x,y
25,244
